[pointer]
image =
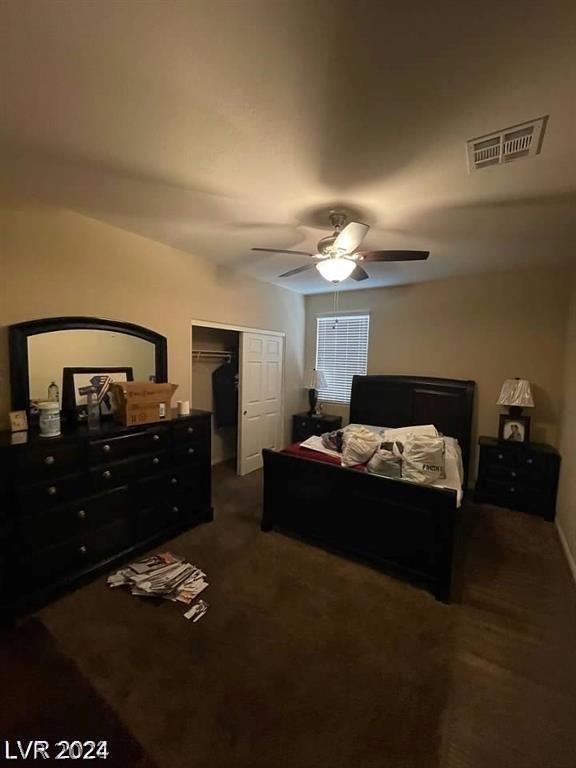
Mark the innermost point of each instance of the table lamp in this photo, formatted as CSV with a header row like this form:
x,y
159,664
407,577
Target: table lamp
x,y
516,394
315,380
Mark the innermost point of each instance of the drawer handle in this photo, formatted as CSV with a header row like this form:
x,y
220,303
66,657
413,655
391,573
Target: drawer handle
x,y
51,490
176,509
49,460
529,461
512,489
500,456
513,474
106,448
190,430
106,474
155,460
83,550
174,480
155,437
82,514
191,451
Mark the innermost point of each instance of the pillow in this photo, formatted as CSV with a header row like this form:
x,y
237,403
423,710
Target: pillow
x,y
400,434
371,427
423,460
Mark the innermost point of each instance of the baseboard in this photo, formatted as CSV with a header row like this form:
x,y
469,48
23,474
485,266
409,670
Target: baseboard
x,y
566,548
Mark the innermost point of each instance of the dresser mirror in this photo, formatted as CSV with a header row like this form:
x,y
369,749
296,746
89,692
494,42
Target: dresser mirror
x,y
42,351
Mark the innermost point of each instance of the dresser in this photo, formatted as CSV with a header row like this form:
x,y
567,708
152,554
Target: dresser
x,y
304,426
77,503
518,476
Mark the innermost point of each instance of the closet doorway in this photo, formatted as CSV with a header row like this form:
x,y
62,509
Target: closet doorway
x,y
238,375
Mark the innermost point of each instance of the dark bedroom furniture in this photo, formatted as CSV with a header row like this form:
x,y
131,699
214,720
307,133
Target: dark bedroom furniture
x,y
405,528
77,503
305,426
521,476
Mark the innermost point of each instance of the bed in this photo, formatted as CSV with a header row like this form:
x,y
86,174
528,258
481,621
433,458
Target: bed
x,y
404,528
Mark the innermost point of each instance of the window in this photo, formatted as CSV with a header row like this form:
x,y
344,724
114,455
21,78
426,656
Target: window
x,y
341,352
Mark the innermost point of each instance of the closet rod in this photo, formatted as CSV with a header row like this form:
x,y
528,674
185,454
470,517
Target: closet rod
x,y
218,354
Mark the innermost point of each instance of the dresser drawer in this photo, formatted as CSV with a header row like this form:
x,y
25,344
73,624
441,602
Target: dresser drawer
x,y
178,509
48,458
191,453
510,492
108,476
121,447
77,553
506,474
154,490
50,492
502,457
197,429
58,524
179,481
153,520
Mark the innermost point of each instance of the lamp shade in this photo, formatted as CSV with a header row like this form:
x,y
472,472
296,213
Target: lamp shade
x,y
315,379
516,392
336,269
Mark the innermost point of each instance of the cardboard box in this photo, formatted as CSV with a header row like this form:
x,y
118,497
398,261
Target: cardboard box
x,y
141,402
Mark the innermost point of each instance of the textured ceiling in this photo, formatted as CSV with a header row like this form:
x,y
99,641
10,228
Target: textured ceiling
x,y
217,125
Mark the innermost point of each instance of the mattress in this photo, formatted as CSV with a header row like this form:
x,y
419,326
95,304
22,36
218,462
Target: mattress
x,y
453,460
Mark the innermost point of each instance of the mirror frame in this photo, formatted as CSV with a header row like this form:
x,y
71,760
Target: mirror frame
x,y
18,344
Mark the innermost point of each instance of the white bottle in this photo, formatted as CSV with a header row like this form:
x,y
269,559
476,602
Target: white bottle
x,y
54,393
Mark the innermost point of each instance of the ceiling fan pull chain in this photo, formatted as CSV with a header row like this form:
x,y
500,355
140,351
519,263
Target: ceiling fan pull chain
x,y
336,300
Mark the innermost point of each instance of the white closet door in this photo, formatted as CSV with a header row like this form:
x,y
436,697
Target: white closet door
x,y
260,398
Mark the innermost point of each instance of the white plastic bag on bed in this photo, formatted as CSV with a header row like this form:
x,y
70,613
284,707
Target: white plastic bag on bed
x,y
358,446
423,460
386,462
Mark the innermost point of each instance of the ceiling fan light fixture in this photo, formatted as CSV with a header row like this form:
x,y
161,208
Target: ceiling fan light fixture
x,y
335,270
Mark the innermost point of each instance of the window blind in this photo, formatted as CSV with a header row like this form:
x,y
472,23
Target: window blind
x,y
341,352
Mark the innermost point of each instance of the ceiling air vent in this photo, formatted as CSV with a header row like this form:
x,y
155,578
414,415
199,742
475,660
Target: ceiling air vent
x,y
506,145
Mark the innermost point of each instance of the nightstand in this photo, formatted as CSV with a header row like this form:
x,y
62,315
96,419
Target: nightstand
x,y
522,477
304,426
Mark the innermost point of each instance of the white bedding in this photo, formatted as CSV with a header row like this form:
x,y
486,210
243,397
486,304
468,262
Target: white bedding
x,y
453,461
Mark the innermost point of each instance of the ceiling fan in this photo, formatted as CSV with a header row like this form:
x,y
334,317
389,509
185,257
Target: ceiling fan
x,y
338,257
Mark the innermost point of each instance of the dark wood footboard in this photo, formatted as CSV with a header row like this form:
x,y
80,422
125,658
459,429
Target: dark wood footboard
x,y
404,528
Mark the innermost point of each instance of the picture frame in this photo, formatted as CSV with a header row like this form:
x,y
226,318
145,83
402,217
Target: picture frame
x,y
76,381
514,430
18,421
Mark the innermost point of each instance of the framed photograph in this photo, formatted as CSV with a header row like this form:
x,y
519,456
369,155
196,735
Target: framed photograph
x,y
18,421
77,382
514,429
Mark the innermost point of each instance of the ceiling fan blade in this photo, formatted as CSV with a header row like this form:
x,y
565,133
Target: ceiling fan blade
x,y
351,237
393,255
359,273
297,270
283,250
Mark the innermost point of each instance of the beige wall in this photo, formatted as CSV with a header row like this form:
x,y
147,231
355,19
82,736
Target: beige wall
x,y
50,353
224,440
566,515
56,262
486,328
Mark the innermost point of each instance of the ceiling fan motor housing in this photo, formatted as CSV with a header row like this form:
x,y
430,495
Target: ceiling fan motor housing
x,y
337,219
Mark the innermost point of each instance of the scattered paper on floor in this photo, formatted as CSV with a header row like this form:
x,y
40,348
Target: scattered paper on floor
x,y
164,575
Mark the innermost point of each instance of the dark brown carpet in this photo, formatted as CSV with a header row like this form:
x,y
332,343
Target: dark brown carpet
x,y
309,660
44,696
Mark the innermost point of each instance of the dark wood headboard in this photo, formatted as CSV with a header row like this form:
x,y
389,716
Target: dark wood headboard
x,y
403,401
